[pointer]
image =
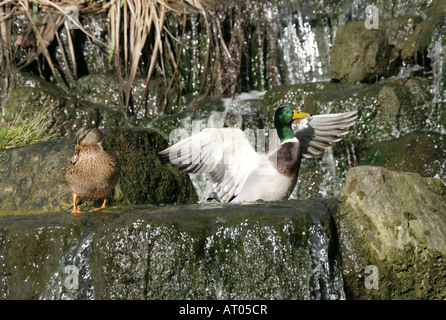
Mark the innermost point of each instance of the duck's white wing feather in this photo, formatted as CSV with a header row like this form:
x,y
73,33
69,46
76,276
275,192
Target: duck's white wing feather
x,y
224,153
318,132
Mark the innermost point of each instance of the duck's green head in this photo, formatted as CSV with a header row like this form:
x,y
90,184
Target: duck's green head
x,y
283,118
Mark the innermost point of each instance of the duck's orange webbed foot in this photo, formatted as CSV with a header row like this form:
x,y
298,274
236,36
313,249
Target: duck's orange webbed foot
x,y
75,210
101,207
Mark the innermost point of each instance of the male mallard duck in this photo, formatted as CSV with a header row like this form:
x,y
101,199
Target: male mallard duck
x,y
92,172
241,174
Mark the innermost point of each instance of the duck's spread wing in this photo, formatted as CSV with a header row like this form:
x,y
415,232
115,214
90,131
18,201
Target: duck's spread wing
x,y
318,132
224,153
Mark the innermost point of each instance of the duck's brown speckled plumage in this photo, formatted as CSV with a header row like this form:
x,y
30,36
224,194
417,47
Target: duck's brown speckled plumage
x,y
92,172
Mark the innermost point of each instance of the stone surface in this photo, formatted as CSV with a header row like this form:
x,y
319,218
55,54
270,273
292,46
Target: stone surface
x,y
276,250
414,49
365,55
423,153
70,110
397,223
368,54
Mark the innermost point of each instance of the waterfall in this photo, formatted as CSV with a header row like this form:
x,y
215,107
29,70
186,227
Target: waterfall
x,y
72,278
136,255
301,55
323,282
437,53
298,46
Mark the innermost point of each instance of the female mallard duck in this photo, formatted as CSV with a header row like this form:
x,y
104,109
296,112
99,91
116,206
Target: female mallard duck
x,y
92,172
241,174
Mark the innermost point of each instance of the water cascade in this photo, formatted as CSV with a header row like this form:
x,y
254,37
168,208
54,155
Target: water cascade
x,y
281,250
72,278
296,40
300,50
278,52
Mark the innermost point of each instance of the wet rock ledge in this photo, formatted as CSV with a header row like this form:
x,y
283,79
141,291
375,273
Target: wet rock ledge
x,y
384,237
276,250
31,177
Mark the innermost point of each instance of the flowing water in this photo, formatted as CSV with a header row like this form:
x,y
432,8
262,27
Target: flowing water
x,y
300,35
278,250
302,47
72,278
437,53
291,257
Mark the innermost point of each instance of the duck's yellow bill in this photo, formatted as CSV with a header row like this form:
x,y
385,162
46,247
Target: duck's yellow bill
x,y
300,114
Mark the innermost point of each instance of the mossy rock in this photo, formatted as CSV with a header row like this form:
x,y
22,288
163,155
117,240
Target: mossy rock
x,y
144,178
414,50
372,53
368,57
395,222
101,89
403,107
275,250
419,152
28,102
31,177
69,113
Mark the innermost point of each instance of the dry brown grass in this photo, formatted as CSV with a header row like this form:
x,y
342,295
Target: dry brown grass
x,y
134,26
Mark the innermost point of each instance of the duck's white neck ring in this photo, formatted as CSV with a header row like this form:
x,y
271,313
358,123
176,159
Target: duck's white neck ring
x,y
289,140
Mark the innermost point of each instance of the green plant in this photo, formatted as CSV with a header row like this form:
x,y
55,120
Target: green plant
x,y
20,132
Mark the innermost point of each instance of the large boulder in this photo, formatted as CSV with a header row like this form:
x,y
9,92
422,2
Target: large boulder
x,y
31,177
392,229
359,54
365,55
276,250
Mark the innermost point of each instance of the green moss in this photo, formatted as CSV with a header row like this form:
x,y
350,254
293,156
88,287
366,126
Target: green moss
x,y
437,186
401,274
418,152
409,215
415,47
31,177
352,186
156,182
361,195
394,233
420,274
